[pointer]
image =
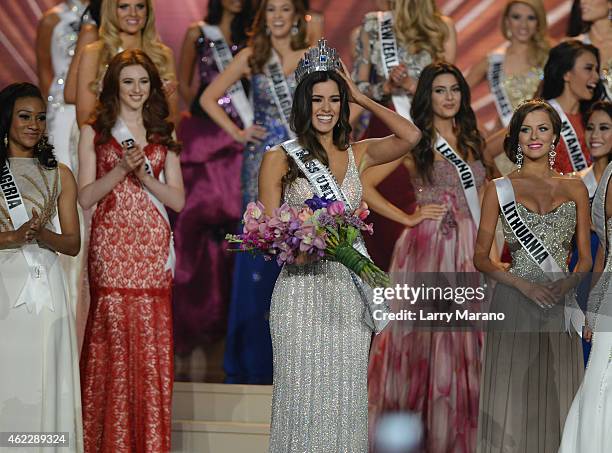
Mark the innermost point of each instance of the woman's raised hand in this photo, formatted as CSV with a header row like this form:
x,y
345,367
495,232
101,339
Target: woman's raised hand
x,y
353,91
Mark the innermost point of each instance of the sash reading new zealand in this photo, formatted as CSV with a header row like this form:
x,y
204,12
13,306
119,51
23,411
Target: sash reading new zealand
x,y
502,103
223,57
390,58
280,90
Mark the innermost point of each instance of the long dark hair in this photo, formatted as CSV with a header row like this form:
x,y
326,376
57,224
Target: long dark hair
x,y
154,112
466,128
600,106
511,141
240,23
301,120
260,42
575,25
562,59
8,96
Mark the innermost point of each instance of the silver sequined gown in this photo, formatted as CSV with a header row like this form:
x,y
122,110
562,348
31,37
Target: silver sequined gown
x,y
533,368
320,349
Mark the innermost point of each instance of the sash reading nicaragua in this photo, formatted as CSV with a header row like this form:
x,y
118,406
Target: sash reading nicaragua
x,y
223,57
36,291
280,90
121,133
325,186
390,58
502,102
535,248
466,176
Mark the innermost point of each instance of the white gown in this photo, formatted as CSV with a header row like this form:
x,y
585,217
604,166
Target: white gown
x,y
589,422
39,377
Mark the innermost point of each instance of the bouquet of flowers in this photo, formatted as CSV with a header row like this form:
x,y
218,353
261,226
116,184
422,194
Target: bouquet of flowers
x,y
320,229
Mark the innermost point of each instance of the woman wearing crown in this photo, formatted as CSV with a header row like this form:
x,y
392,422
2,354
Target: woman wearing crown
x,y
320,342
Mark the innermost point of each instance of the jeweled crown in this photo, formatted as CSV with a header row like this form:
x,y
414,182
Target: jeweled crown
x,y
320,58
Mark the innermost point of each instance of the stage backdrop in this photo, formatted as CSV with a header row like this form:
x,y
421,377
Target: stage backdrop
x,y
477,23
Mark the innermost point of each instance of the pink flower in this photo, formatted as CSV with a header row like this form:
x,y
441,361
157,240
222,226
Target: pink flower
x,y
362,211
254,210
305,214
336,208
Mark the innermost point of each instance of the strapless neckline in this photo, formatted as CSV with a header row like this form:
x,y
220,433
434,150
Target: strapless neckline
x,y
552,211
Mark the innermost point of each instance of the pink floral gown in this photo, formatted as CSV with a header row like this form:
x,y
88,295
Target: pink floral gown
x,y
433,373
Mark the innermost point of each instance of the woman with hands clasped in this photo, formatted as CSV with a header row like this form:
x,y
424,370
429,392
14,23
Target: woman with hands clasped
x,y
129,169
433,372
39,382
532,361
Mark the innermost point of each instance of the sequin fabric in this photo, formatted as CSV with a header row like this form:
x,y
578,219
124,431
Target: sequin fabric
x,y
555,229
266,116
320,349
126,363
520,87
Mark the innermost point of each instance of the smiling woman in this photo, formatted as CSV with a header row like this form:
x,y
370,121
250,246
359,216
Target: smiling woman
x,y
39,383
127,388
125,24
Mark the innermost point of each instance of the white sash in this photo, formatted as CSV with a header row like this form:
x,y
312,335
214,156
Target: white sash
x,y
570,138
36,291
502,102
121,133
598,208
390,59
325,186
223,57
535,248
466,176
588,178
280,90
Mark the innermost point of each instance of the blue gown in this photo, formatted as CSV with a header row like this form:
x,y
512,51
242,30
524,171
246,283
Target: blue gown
x,y
248,349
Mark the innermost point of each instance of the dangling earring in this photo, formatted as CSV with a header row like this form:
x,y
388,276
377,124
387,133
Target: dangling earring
x,y
6,140
41,145
295,30
551,156
268,32
519,157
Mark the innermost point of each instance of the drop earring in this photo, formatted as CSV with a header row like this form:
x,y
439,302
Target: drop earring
x,y
6,140
295,30
551,156
268,32
519,157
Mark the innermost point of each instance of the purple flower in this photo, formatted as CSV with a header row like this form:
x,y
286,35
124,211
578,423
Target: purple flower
x,y
317,202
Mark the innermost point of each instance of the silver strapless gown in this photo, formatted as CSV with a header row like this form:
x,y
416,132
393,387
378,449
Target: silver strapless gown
x,y
320,348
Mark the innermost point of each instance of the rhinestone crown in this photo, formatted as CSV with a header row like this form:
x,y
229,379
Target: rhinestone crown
x,y
320,58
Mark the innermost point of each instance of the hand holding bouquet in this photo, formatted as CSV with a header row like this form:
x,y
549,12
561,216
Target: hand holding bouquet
x,y
319,229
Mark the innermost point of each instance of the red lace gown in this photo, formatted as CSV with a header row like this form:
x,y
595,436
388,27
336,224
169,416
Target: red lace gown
x,y
126,363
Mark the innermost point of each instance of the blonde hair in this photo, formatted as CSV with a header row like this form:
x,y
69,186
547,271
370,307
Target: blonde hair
x,y
111,41
539,44
419,26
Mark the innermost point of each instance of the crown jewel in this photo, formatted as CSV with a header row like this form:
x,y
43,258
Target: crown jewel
x,y
320,58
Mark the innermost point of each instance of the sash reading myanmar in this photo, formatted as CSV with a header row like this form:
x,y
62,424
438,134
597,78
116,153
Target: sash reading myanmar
x,y
390,58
